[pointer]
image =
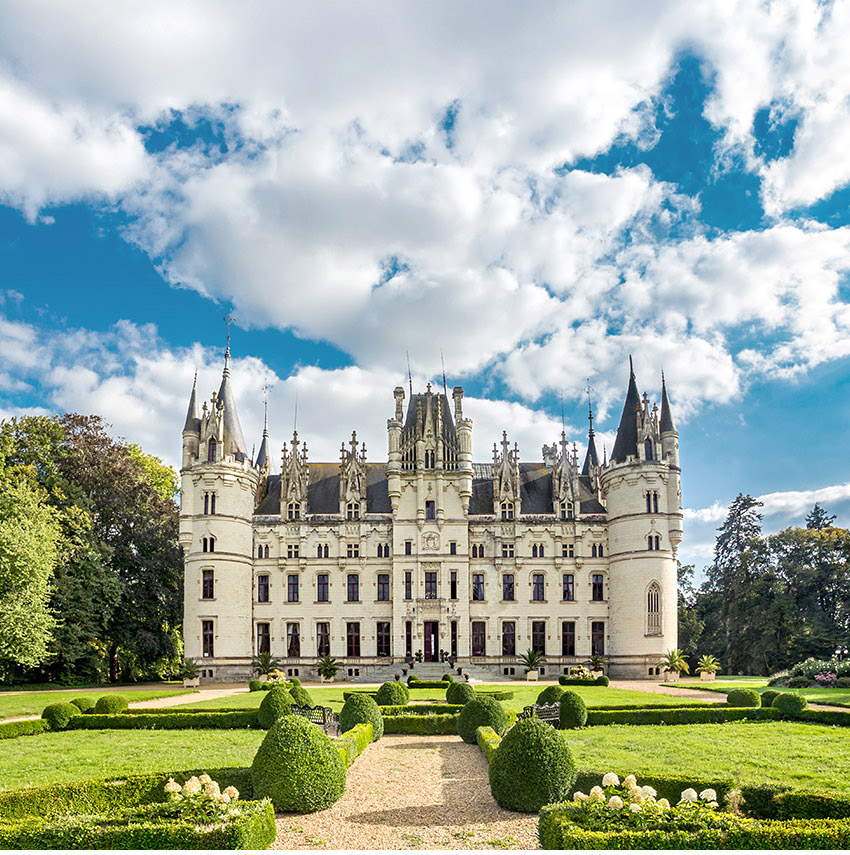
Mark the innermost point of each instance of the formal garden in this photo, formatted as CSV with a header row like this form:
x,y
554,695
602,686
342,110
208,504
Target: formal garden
x,y
598,766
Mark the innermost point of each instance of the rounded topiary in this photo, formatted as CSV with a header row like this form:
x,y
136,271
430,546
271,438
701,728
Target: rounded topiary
x,y
573,711
799,683
789,704
110,705
412,679
277,703
294,681
481,712
58,716
531,767
602,680
255,686
84,705
392,694
360,709
743,698
297,767
768,696
550,695
459,693
301,696
447,678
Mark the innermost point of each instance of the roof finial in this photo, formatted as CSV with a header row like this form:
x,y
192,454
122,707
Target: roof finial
x,y
409,375
228,319
631,366
266,407
443,364
589,391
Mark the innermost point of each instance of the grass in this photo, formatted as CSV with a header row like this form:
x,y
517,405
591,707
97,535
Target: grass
x,y
77,755
802,756
817,695
32,703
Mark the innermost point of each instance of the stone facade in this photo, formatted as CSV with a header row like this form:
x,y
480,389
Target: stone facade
x,y
428,553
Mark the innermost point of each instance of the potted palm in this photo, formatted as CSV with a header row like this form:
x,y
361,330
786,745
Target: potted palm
x,y
190,673
597,663
708,666
673,664
327,667
263,664
531,660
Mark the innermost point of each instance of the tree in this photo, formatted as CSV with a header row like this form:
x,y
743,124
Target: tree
x,y
159,475
690,625
818,519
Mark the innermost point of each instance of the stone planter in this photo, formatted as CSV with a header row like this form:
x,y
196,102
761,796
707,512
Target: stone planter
x,y
327,679
532,676
192,684
707,676
671,676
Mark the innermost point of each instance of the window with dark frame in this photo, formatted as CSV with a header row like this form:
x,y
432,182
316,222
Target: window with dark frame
x,y
453,585
507,509
568,638
430,510
352,639
479,638
262,588
352,550
292,589
507,550
478,587
292,550
383,637
597,638
383,587
452,547
569,587
207,639
323,638
353,588
352,511
408,547
293,640
508,638
538,587
408,638
322,593
408,585
293,511
508,586
453,637
208,585
430,586
568,550
264,641
597,587
538,636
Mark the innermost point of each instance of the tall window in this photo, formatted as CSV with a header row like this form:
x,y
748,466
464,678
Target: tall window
x,y
478,586
262,588
507,509
508,586
568,638
538,635
597,587
507,550
653,542
452,547
593,551
352,510
408,585
323,638
569,587
508,638
538,591
352,550
537,550
293,640
383,636
208,585
597,638
408,547
479,638
647,448
430,586
207,636
653,609
212,503
477,550
293,511
211,451
292,589
383,586
453,585
352,639
322,550
322,587
430,510
654,502
408,638
264,643
383,550
208,544
353,588
454,638
209,503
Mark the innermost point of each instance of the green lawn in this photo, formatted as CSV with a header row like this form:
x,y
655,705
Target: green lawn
x,y
32,703
803,756
833,697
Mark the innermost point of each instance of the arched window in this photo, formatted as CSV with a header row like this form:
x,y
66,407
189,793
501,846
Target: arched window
x,y
593,551
653,609
259,552
601,551
211,451
647,446
265,552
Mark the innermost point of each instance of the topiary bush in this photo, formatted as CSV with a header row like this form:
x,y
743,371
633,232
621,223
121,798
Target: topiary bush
x,y
459,693
789,704
298,767
573,711
531,767
602,680
412,679
58,716
799,683
481,712
768,696
392,694
294,681
110,705
447,678
255,686
550,695
278,702
743,698
301,696
360,709
84,705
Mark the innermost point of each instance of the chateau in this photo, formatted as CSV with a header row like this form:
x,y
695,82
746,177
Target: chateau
x,y
429,553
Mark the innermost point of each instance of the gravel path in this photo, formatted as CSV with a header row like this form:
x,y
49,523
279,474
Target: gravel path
x,y
410,792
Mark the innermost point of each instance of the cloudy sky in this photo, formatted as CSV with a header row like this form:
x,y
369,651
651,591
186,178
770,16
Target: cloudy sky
x,y
534,190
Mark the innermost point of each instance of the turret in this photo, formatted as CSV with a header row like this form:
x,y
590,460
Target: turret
x,y
464,446
192,428
669,435
264,460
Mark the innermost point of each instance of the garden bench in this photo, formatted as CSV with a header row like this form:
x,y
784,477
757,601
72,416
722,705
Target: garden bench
x,y
550,713
325,717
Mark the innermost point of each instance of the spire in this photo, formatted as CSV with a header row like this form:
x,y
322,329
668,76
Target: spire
x,y
264,459
193,419
591,459
666,415
626,442
234,441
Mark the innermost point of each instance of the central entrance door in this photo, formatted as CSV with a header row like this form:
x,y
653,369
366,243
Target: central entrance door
x,y
432,634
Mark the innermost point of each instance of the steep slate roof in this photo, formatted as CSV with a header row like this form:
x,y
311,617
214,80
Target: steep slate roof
x,y
193,419
234,440
445,411
263,455
626,442
666,412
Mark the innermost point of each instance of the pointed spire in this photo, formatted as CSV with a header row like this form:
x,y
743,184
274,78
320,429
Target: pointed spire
x,y
666,413
264,458
626,442
591,459
234,441
193,419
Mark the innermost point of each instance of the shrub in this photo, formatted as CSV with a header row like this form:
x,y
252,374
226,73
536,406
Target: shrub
x,y
353,743
412,679
295,681
481,712
110,705
768,696
573,711
169,719
84,705
301,696
602,680
447,678
743,698
28,727
433,724
359,709
531,767
566,680
428,684
392,694
277,703
255,686
842,683
488,741
799,683
298,767
58,716
459,693
790,704
683,715
550,695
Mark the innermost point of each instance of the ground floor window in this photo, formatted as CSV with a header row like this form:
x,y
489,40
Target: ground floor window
x,y
597,638
207,635
479,638
293,640
263,639
352,638
454,638
538,636
323,639
568,638
383,634
508,638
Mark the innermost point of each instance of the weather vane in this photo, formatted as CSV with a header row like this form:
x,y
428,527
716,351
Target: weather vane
x,y
229,319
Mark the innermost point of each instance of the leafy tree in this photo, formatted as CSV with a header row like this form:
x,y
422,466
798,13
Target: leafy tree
x,y
690,625
818,519
159,475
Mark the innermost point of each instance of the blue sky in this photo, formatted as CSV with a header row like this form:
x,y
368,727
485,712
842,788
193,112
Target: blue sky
x,y
536,192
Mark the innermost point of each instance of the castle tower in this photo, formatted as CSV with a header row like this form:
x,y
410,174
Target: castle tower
x,y
218,487
641,487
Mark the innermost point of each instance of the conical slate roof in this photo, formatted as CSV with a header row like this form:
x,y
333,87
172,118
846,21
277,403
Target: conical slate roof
x,y
193,419
264,458
234,441
666,412
626,442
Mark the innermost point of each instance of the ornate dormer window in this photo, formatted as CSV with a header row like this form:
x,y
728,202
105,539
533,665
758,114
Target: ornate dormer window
x,y
293,511
211,449
352,511
506,479
352,479
294,479
507,510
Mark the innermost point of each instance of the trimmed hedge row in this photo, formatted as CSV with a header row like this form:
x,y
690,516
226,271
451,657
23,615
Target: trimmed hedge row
x,y
352,743
565,680
421,709
499,695
30,727
428,684
422,725
171,721
674,715
687,705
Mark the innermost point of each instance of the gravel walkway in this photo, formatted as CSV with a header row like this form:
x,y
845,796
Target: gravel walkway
x,y
406,792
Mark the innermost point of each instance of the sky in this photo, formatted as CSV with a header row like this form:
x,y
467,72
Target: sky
x,y
526,194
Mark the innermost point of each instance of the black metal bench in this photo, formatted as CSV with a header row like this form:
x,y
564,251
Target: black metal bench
x,y
550,713
325,717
